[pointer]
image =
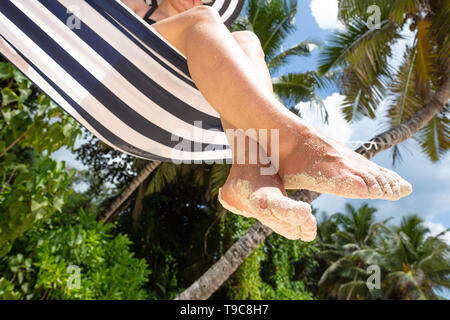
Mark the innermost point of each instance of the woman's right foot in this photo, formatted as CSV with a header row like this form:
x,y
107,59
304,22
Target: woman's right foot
x,y
321,164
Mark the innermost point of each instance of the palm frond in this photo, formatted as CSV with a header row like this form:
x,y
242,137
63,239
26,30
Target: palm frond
x,y
440,28
332,268
218,177
434,138
299,49
356,288
406,101
425,64
165,173
293,88
397,10
369,256
272,22
362,53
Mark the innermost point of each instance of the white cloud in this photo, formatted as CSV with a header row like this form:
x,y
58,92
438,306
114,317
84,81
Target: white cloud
x,y
326,13
398,48
337,127
312,46
436,228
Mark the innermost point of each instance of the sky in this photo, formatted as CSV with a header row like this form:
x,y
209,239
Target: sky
x,y
430,199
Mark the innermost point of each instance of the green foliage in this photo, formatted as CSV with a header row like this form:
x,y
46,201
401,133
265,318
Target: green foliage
x,y
107,167
285,281
361,54
35,193
32,186
248,282
46,261
44,244
277,270
29,118
272,22
413,264
417,265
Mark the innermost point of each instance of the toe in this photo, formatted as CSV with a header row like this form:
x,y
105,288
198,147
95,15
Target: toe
x,y
293,212
373,187
291,219
351,185
282,228
309,230
395,186
308,236
404,186
384,184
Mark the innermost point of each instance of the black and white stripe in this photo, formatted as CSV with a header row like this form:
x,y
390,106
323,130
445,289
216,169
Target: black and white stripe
x,y
115,75
228,9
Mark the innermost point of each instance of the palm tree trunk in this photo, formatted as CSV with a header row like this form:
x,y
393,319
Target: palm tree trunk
x,y
212,279
138,207
135,183
354,280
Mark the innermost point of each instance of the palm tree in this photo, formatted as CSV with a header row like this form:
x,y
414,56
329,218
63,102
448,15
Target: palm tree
x,y
373,52
416,265
350,252
128,191
362,55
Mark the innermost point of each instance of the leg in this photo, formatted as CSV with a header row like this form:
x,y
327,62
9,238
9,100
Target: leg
x,y
250,44
246,191
308,159
208,45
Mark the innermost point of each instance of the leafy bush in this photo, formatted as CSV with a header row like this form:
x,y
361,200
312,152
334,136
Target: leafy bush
x,y
72,256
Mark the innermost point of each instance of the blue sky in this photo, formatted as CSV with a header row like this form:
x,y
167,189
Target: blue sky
x,y
315,20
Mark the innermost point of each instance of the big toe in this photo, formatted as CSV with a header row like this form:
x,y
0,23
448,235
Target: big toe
x,y
404,187
308,231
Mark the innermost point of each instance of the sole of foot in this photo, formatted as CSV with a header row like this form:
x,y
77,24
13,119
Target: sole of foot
x,y
291,219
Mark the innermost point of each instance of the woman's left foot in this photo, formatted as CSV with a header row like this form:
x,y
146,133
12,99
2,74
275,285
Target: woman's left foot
x,y
248,193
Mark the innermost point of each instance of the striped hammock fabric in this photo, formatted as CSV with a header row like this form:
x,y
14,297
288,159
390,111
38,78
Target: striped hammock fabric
x,y
116,75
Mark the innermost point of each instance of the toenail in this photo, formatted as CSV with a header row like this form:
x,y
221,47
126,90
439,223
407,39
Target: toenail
x,y
263,203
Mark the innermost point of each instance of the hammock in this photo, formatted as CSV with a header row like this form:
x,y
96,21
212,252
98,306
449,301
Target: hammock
x,y
116,75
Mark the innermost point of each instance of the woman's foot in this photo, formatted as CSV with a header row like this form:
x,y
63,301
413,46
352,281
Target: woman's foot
x,y
321,164
248,193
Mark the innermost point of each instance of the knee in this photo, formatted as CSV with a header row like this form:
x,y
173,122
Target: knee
x,y
249,42
204,13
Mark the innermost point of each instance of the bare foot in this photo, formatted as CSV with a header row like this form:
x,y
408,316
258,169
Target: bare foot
x,y
321,164
249,194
